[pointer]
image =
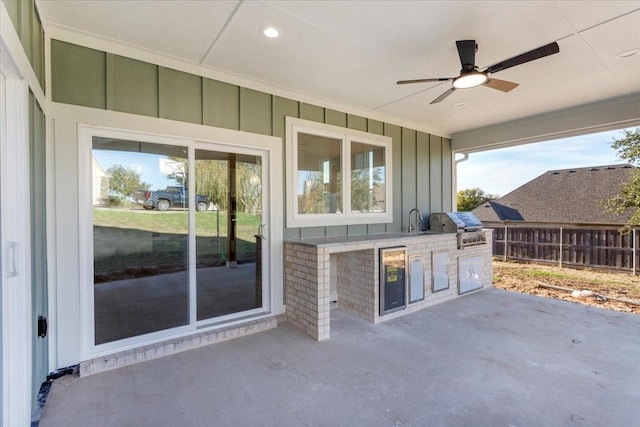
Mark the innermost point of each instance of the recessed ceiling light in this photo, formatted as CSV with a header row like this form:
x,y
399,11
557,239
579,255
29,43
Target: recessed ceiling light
x,y
270,32
628,53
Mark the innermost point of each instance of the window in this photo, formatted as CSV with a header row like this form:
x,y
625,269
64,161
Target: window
x,y
336,176
319,174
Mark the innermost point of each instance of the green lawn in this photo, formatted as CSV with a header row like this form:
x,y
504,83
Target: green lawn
x,y
131,243
175,221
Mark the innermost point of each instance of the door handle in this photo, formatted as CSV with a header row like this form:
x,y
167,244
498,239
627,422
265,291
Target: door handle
x,y
10,259
261,231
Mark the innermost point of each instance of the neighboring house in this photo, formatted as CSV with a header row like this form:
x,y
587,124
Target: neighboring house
x,y
100,184
560,197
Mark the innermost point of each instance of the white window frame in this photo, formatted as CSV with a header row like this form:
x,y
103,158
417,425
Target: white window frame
x,y
295,126
267,147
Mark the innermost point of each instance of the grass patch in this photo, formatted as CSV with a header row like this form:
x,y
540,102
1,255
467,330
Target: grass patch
x,y
581,276
176,221
549,274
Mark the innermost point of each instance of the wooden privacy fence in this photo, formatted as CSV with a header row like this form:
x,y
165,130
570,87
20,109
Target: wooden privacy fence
x,y
568,246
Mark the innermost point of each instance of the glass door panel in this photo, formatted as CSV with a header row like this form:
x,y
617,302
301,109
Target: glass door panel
x,y
228,233
140,238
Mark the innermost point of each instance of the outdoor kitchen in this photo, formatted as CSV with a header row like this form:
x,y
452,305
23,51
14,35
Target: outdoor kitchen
x,y
383,276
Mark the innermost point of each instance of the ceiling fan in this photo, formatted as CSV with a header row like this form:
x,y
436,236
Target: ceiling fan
x,y
470,76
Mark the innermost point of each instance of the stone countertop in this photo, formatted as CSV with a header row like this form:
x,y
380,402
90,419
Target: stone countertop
x,y
361,238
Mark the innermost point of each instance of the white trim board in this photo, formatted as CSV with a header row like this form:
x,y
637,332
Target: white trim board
x,y
16,253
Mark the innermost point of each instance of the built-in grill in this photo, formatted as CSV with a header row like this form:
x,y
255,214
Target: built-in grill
x,y
467,226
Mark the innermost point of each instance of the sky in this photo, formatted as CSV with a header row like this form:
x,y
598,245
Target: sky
x,y
501,171
147,165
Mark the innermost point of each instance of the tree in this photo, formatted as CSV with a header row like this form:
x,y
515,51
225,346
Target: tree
x,y
212,180
248,187
628,199
471,198
124,181
365,185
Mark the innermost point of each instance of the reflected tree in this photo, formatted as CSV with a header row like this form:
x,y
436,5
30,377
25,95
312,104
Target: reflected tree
x,y
365,186
212,180
124,181
249,187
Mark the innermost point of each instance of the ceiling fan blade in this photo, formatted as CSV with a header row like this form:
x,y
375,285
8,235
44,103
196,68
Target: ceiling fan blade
x,y
441,79
532,55
443,96
467,53
502,85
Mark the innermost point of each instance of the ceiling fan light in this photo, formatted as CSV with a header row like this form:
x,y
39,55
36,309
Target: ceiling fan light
x,y
469,80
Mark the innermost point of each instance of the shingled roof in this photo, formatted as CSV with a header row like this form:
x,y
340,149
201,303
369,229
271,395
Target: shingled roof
x,y
572,196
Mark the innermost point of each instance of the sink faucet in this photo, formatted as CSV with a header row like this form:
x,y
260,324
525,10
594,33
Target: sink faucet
x,y
419,218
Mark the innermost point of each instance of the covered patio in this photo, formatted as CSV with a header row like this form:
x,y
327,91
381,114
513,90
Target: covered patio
x,y
491,358
194,82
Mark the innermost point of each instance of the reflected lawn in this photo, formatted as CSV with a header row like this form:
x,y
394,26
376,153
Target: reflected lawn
x,y
175,221
130,243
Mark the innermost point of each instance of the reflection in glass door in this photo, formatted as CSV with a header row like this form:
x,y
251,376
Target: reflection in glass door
x,y
140,238
145,276
229,235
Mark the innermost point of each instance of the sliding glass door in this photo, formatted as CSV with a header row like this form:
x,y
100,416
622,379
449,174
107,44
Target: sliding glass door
x,y
229,235
166,257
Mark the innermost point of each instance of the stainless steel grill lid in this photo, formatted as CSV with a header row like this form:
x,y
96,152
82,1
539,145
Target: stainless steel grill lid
x,y
454,222
465,224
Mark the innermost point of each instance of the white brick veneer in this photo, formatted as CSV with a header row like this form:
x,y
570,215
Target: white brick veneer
x,y
355,276
308,275
176,345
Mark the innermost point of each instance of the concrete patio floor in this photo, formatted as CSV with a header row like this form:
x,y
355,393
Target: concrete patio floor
x,y
491,358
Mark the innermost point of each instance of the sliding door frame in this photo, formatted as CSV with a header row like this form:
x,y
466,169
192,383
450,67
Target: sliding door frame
x,y
269,148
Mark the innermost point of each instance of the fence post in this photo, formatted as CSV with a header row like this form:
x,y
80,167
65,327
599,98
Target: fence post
x,y
505,243
634,251
560,247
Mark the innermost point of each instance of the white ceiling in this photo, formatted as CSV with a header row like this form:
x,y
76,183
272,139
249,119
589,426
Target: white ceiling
x,y
351,53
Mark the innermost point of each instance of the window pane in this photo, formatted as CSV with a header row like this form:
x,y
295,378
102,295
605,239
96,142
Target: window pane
x,y
319,175
368,186
228,245
140,238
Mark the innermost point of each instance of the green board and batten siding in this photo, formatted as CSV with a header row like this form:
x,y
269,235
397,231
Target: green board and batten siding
x,y
134,87
179,96
26,21
78,75
83,76
221,104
